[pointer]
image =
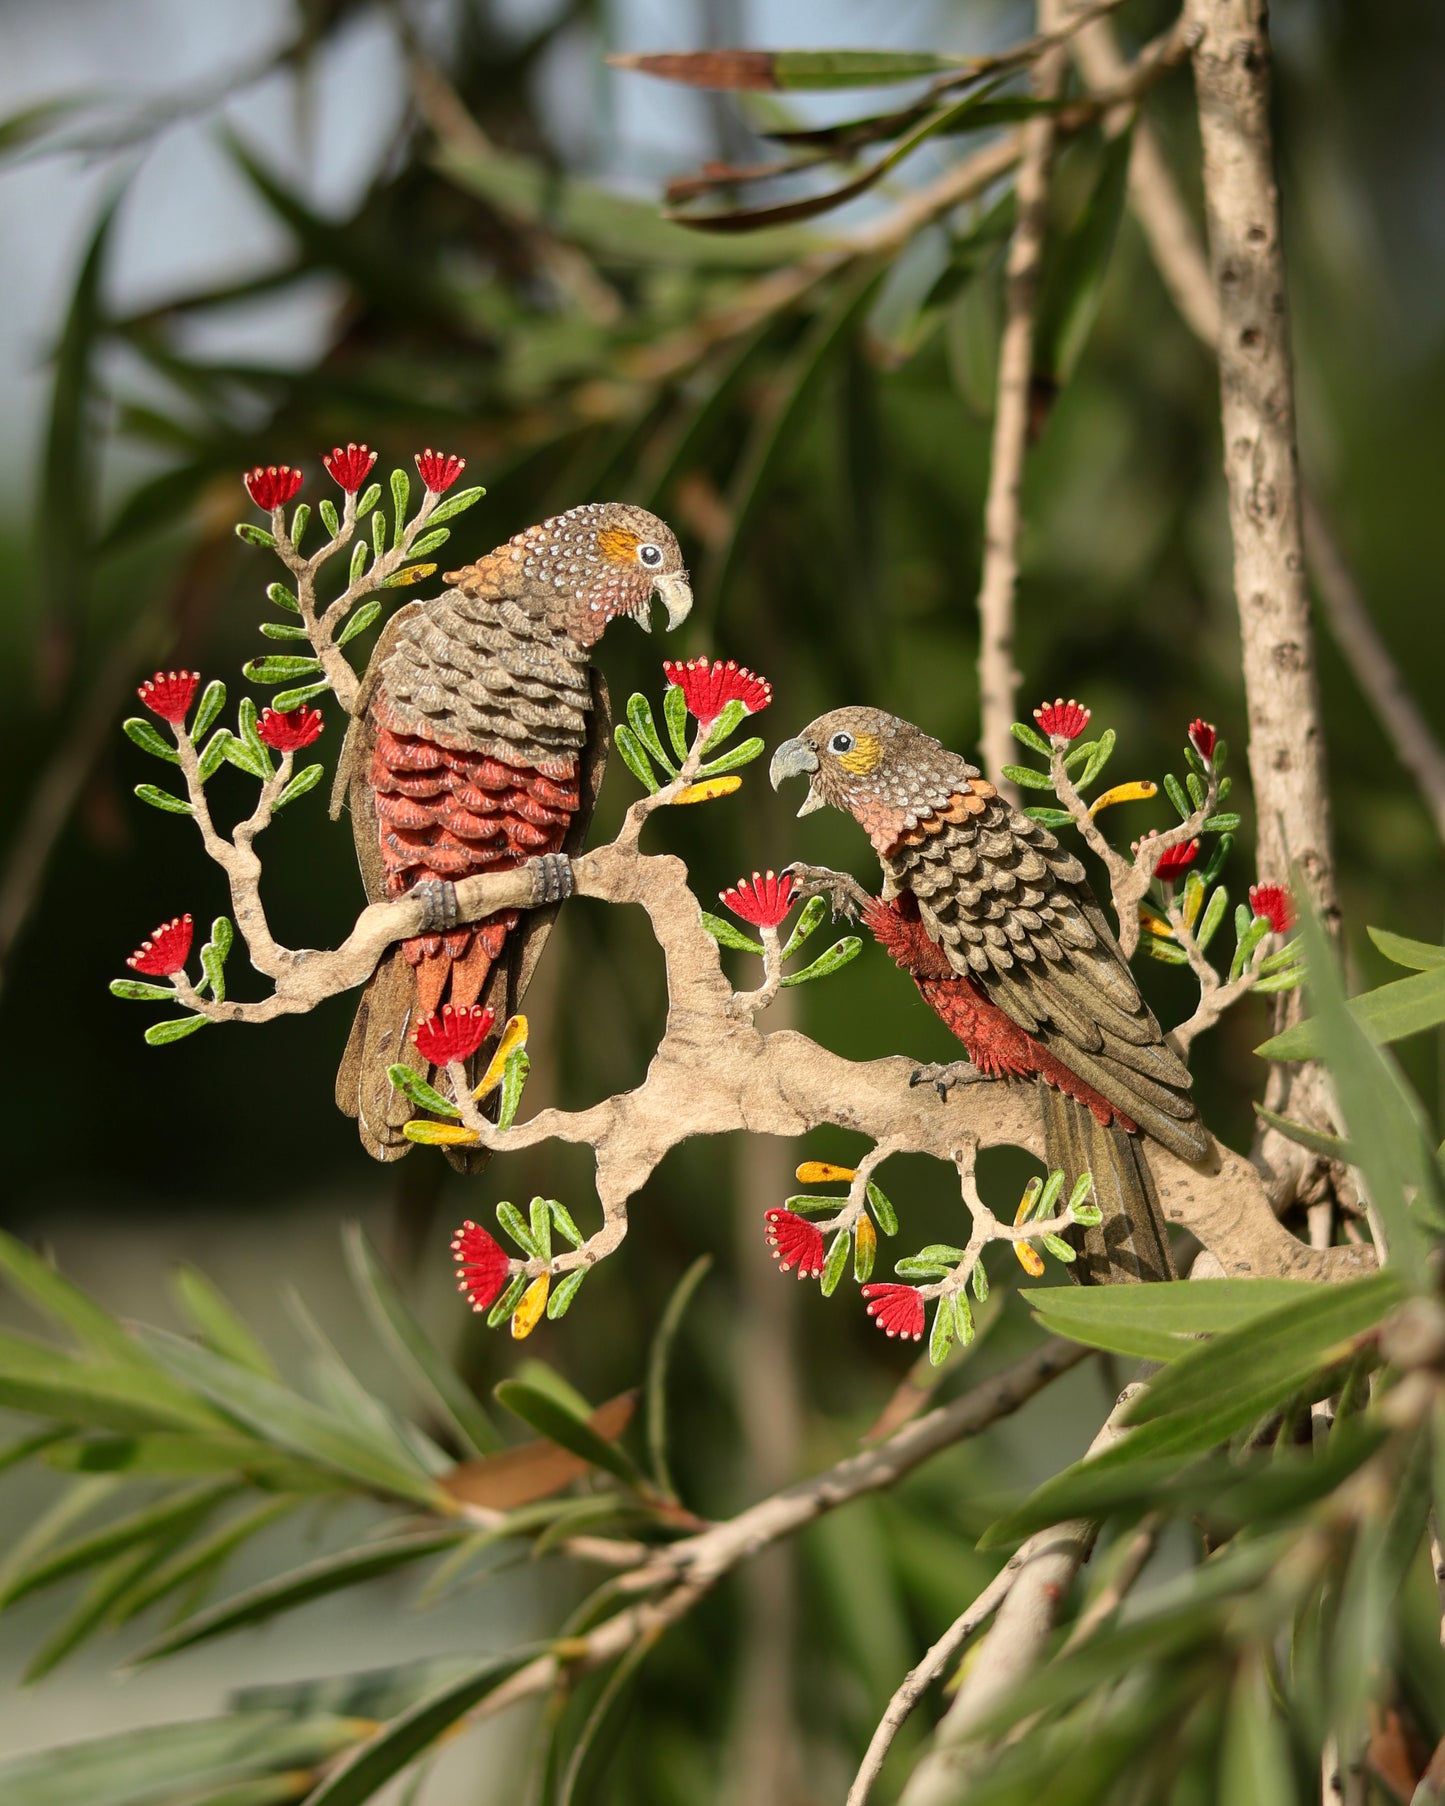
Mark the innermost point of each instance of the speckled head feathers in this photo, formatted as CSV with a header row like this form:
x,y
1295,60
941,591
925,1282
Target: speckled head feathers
x,y
602,560
886,773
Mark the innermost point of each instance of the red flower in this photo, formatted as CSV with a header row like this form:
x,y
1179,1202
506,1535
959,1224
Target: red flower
x,y
288,730
452,1034
439,470
1173,861
271,486
350,467
709,688
1275,904
1202,738
166,951
762,900
897,1310
795,1242
169,694
483,1268
1062,720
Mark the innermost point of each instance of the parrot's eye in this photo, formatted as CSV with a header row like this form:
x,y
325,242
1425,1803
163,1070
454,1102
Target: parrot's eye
x,y
841,743
650,555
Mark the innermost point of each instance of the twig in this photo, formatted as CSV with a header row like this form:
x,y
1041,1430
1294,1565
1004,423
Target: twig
x,y
1016,1643
998,677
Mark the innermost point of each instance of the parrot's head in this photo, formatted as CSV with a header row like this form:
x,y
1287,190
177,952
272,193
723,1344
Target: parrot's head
x,y
603,560
886,773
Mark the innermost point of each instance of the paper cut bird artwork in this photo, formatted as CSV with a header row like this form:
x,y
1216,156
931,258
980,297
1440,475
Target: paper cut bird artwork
x,y
477,743
1007,944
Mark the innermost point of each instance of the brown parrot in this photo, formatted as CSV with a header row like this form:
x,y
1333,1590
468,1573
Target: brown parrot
x,y
478,742
997,925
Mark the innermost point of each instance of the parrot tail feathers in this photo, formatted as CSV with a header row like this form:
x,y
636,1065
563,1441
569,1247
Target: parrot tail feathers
x,y
1131,1244
381,1038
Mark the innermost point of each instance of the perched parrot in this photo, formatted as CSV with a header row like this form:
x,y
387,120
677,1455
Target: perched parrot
x,y
1009,947
478,742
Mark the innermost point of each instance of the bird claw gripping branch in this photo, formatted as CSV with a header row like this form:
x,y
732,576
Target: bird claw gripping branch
x,y
845,896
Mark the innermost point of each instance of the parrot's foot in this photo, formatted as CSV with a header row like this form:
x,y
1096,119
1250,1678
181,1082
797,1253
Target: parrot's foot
x,y
438,896
552,876
944,1077
846,896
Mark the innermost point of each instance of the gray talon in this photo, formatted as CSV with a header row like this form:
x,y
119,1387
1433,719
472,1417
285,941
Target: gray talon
x,y
552,875
438,897
846,896
944,1077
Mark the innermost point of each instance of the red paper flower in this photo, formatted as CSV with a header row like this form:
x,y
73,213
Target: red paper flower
x,y
1202,738
439,470
764,899
169,694
1273,902
483,1268
1173,861
288,730
271,486
1062,720
897,1310
795,1242
350,467
709,688
166,951
452,1034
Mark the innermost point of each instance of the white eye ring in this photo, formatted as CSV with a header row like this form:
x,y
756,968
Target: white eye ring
x,y
650,555
841,743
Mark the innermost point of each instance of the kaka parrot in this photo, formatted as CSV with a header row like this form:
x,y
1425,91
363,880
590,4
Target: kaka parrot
x,y
997,925
478,742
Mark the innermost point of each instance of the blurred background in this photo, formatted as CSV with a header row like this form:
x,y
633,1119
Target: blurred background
x,y
238,234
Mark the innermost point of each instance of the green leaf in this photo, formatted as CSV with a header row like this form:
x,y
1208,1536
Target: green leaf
x,y
1280,981
1060,1249
213,700
97,1604
979,1280
215,752
674,713
279,668
360,1776
1212,917
508,1301
1028,778
162,799
516,1225
813,912
1405,1006
840,954
330,519
1174,790
161,1034
514,1078
1332,1147
137,991
148,740
1098,760
742,754
737,71
429,542
217,1323
728,936
280,594
286,700
837,1262
283,630
634,758
65,1304
306,779
659,1359
1031,737
360,552
397,1321
255,536
1049,818
541,1225
456,503
550,1418
884,1214
288,1421
562,1218
1076,265
359,622
963,1313
639,713
400,502
1225,822
1160,1322
559,1300
298,1586
1419,956
378,532
945,1327
413,1086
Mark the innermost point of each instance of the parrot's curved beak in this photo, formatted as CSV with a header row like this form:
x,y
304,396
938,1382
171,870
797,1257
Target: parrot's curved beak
x,y
796,759
676,593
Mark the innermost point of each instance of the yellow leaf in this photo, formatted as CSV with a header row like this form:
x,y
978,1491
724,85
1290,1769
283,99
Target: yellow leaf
x,y
534,1301
1028,1200
1193,897
413,573
1138,792
821,1172
707,790
514,1035
1030,1259
867,1236
1156,924
440,1134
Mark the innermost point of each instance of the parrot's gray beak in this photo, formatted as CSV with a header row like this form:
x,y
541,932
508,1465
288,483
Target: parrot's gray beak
x,y
796,759
676,593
